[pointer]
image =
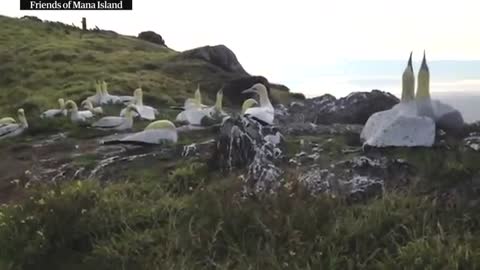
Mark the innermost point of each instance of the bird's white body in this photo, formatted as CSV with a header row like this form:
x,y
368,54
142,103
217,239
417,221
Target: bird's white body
x,y
11,130
265,112
77,116
14,129
155,133
114,123
80,116
55,112
144,111
117,122
153,136
399,126
87,104
52,113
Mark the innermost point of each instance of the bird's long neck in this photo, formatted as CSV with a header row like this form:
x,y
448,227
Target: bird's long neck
x,y
129,115
408,84
218,102
139,99
74,107
104,88
98,89
423,88
23,120
264,100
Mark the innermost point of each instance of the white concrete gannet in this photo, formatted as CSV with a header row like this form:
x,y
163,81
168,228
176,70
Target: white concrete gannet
x,y
77,116
191,103
216,112
155,133
14,129
265,112
106,97
408,90
87,104
7,121
445,116
424,103
97,98
401,125
117,122
55,112
145,112
248,104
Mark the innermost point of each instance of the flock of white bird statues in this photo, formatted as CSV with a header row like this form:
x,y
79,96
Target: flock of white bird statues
x,y
412,122
193,113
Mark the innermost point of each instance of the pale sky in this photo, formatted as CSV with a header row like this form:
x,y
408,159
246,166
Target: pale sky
x,y
285,39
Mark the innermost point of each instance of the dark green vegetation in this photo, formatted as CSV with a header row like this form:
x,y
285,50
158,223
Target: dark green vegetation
x,y
183,216
180,214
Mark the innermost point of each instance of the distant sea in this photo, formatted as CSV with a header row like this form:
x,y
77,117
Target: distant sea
x,y
454,82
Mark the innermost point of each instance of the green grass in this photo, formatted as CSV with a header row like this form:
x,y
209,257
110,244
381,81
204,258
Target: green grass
x,y
180,221
180,214
42,62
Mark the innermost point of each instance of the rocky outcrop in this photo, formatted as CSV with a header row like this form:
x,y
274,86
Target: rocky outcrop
x,y
358,178
355,108
218,55
245,144
152,37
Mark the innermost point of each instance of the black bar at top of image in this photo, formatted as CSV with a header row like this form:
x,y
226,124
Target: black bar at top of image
x,y
78,5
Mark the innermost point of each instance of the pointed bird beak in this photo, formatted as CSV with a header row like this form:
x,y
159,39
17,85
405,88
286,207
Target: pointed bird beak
x,y
135,110
250,90
410,60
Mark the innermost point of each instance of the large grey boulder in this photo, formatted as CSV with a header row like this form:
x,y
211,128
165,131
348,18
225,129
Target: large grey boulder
x,y
218,55
152,37
355,108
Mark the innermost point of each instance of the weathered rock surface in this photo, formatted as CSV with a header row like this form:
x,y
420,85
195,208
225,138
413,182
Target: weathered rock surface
x,y
244,143
219,55
355,108
152,37
357,178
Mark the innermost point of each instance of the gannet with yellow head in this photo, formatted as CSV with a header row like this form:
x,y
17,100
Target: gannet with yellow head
x,y
14,129
55,112
400,126
77,116
248,104
97,98
144,111
216,112
408,82
87,104
424,103
158,132
191,104
6,121
265,112
106,97
117,122
444,115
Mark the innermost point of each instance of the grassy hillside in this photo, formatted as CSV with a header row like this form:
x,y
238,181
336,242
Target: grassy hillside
x,y
166,210
43,61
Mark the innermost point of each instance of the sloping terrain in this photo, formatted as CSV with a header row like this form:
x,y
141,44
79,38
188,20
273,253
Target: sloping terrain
x,y
43,61
319,200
